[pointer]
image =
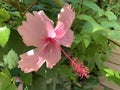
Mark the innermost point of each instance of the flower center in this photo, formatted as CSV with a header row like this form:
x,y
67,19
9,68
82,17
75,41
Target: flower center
x,y
50,40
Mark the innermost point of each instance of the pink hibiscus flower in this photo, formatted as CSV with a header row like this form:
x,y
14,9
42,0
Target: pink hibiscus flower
x,y
38,31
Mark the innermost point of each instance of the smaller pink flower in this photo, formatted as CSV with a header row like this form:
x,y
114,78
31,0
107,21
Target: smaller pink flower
x,y
38,31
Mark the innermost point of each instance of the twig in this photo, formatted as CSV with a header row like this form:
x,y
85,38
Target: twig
x,y
114,42
19,9
34,2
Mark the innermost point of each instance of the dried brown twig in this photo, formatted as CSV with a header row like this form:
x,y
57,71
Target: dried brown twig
x,y
114,42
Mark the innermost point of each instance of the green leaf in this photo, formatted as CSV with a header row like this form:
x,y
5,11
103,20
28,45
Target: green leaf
x,y
26,78
51,83
90,83
6,82
86,40
39,83
114,35
99,37
18,45
15,14
92,6
64,70
4,35
91,64
109,72
110,24
112,75
111,16
98,60
47,73
42,71
76,41
89,19
63,83
75,1
28,2
4,15
50,73
91,50
11,59
87,28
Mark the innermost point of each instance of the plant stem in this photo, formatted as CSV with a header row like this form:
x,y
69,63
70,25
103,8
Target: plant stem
x,y
19,9
66,55
114,42
34,2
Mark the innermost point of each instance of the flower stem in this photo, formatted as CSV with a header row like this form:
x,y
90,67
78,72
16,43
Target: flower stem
x,y
34,2
66,55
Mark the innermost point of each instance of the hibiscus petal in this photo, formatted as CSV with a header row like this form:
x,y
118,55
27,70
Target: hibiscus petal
x,y
65,19
49,23
67,39
53,55
35,29
31,61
